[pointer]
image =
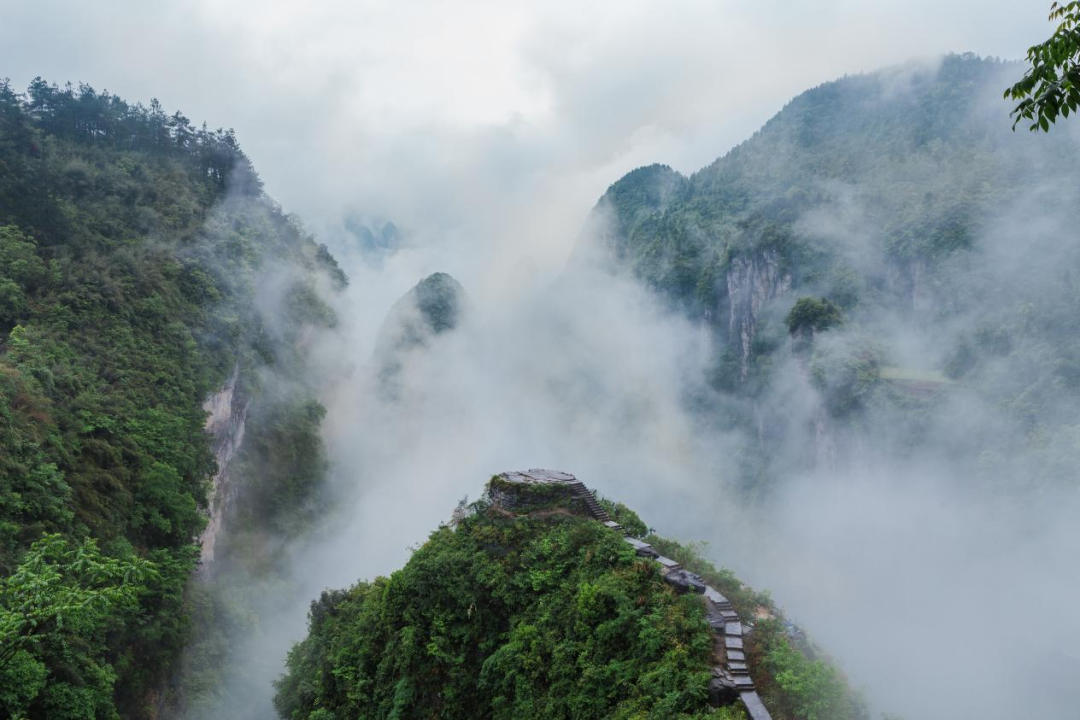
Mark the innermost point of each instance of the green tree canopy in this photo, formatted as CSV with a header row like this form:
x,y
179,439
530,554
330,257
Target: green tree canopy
x,y
132,248
815,313
1051,87
54,612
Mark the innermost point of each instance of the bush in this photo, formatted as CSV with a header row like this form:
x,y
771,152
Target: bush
x,y
506,618
814,314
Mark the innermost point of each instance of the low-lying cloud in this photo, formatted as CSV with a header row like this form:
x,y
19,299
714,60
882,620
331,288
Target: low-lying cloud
x,y
486,131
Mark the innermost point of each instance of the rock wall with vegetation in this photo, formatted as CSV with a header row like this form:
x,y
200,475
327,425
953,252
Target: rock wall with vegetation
x,y
132,244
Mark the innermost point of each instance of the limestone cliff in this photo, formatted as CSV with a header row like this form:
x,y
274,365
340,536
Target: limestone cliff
x,y
752,281
228,409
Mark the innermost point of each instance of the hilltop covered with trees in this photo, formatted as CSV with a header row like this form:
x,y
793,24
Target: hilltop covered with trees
x,y
543,614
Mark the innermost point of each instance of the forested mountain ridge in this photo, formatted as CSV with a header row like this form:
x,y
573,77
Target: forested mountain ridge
x,y
906,138
525,606
902,199
140,265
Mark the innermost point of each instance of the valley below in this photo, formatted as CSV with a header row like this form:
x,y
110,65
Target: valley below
x,y
809,414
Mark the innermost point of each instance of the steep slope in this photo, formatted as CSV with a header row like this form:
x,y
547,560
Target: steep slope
x,y
902,198
527,606
142,269
912,147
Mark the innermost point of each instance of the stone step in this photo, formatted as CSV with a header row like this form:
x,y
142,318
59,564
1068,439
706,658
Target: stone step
x,y
754,707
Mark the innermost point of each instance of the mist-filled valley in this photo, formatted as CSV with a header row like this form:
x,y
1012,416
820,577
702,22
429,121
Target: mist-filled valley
x,y
822,385
902,479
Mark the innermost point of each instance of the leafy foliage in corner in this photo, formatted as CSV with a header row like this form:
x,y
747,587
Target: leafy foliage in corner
x,y
533,617
56,609
131,247
1051,86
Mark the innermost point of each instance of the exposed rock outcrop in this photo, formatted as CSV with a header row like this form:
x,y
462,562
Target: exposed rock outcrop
x,y
538,490
752,281
685,582
228,409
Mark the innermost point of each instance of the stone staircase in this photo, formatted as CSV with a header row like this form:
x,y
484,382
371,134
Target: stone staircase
x,y
731,680
731,675
579,492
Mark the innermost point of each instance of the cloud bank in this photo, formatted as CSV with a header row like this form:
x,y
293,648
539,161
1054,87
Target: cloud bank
x,y
467,122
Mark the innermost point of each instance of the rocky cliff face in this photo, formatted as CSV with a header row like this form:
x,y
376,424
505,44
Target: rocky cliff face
x,y
228,410
907,280
752,281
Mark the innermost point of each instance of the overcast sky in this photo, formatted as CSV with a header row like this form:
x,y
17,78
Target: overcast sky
x,y
491,127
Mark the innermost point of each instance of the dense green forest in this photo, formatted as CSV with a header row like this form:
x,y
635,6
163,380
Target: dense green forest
x,y
132,245
878,232
543,614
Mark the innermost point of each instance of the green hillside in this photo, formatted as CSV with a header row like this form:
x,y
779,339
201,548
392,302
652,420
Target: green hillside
x,y
904,201
135,254
542,613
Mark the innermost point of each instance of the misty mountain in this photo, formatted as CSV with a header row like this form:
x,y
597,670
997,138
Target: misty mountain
x,y
373,239
432,307
903,200
841,353
845,353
